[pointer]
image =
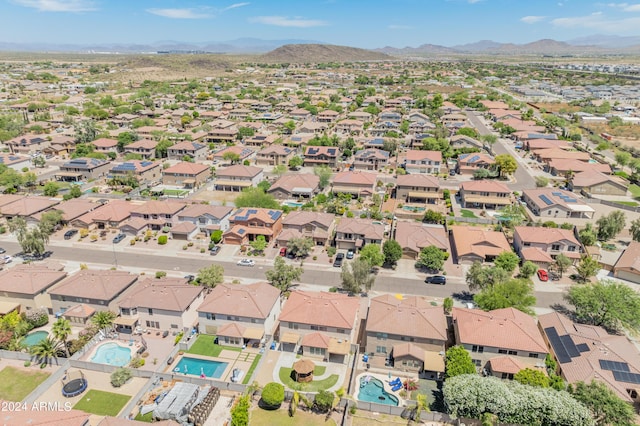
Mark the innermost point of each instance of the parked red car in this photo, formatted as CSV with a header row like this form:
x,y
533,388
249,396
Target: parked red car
x,y
283,251
542,275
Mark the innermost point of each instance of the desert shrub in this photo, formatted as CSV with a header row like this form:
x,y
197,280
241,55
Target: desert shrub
x,y
323,401
162,240
120,377
273,394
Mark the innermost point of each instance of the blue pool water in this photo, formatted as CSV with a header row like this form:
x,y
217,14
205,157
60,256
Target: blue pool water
x,y
112,354
292,204
413,209
197,366
34,338
373,391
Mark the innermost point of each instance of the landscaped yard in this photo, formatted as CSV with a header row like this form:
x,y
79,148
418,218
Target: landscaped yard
x,y
176,192
314,386
260,417
102,403
635,190
16,384
467,213
247,376
205,346
627,203
145,418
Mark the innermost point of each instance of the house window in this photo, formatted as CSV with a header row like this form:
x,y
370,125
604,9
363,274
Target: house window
x,y
153,324
210,316
555,247
293,325
572,248
507,376
526,244
478,349
174,325
407,339
533,355
381,349
477,362
502,351
513,352
125,311
316,351
381,336
150,311
341,331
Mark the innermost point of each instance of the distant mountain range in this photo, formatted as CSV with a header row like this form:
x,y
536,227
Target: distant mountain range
x,y
594,44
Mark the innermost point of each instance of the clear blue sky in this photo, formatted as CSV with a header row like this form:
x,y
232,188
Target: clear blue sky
x,y
361,23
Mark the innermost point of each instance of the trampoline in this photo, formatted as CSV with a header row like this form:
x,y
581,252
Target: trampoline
x,y
73,384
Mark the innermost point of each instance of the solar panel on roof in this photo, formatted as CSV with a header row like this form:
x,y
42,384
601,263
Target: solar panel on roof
x,y
252,211
613,365
567,341
240,231
583,347
557,194
623,376
558,348
546,200
474,158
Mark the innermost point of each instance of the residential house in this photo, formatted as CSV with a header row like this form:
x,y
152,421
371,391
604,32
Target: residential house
x,y
240,315
237,177
321,156
556,203
501,342
469,163
374,143
585,352
247,223
596,183
24,287
538,144
628,265
206,217
547,155
542,245
327,116
104,145
83,169
183,231
410,331
464,141
484,194
186,174
312,127
275,155
168,304
322,324
27,144
98,289
70,209
15,162
418,161
355,233
194,150
305,224
27,206
295,185
371,159
260,140
143,171
571,167
471,243
154,214
350,127
453,118
356,183
421,189
144,147
242,153
414,236
110,215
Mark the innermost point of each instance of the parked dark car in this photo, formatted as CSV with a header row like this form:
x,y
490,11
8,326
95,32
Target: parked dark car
x,y
350,253
214,250
436,279
338,262
118,238
70,233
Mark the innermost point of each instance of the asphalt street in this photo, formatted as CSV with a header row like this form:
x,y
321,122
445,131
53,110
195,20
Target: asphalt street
x,y
385,281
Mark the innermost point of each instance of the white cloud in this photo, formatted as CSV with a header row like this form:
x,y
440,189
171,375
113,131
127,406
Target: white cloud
x,y
532,19
283,21
625,6
600,22
179,13
632,8
236,5
58,5
400,27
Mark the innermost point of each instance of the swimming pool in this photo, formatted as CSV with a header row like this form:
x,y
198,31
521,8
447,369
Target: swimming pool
x,y
112,354
372,390
34,338
293,204
198,367
413,209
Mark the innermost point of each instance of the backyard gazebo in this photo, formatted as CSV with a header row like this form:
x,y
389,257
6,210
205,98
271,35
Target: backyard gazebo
x,y
303,370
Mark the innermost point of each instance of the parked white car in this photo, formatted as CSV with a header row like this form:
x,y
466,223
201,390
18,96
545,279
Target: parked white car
x,y
246,262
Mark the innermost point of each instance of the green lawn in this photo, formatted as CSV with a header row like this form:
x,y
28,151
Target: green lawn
x,y
314,386
16,384
205,346
145,418
260,417
627,203
175,192
251,369
467,213
635,190
102,403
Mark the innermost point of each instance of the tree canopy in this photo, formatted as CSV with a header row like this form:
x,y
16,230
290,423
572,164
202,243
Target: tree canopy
x,y
457,362
605,406
532,377
610,225
507,260
479,276
300,247
210,276
392,252
506,163
256,197
606,303
356,276
587,267
513,293
431,258
372,254
283,275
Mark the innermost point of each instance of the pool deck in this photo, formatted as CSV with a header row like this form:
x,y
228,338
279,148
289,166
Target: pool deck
x,y
385,386
241,360
89,356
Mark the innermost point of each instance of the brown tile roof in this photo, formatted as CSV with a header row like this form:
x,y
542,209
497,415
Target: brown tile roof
x,y
535,254
251,301
183,228
577,166
315,340
105,143
299,180
630,258
186,168
594,177
556,197
298,218
419,155
412,316
72,209
231,329
29,279
506,328
26,206
159,207
366,227
408,349
418,180
94,284
479,241
415,236
196,210
538,234
79,311
142,143
322,309
559,153
266,216
485,186
113,211
170,294
602,346
506,364
355,177
238,170
187,146
9,198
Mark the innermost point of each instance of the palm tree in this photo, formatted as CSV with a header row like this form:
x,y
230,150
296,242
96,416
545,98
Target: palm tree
x,y
61,330
47,349
421,405
103,319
